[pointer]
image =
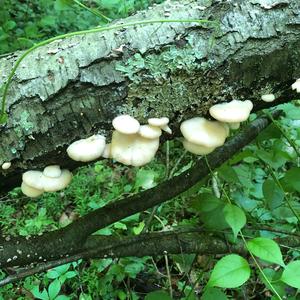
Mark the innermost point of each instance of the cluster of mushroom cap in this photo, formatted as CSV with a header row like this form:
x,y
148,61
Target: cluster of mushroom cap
x,y
202,136
52,179
131,144
134,144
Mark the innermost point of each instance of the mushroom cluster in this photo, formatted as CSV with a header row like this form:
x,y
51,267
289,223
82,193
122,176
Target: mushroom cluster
x,y
52,179
202,136
134,144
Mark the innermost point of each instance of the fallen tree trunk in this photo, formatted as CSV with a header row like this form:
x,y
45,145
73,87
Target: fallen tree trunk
x,y
74,87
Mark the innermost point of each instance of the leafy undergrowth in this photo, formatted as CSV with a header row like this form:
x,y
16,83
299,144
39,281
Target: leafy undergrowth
x,y
262,183
23,23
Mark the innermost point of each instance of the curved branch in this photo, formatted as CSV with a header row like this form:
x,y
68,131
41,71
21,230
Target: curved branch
x,y
177,241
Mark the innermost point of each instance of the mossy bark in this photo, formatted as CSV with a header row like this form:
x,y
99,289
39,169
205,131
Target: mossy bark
x,y
74,87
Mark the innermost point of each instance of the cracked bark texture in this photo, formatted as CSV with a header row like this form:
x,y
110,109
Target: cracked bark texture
x,y
74,87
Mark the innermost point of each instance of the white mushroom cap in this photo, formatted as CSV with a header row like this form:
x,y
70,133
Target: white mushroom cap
x,y
149,132
268,97
197,149
57,183
133,149
107,151
296,85
52,171
233,111
159,122
87,149
6,165
33,179
30,191
126,124
167,129
204,132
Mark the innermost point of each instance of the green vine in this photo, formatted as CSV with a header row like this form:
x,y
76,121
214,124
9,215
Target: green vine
x,y
3,115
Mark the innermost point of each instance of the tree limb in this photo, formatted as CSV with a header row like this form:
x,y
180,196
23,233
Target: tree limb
x,y
177,241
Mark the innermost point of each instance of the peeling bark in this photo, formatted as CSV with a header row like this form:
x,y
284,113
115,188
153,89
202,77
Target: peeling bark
x,y
72,88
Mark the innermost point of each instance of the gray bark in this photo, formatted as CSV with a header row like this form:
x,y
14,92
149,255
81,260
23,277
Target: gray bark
x,y
74,87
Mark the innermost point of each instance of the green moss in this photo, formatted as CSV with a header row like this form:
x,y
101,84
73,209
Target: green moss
x,y
25,124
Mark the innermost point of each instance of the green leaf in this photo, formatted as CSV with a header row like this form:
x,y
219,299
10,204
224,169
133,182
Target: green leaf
x,y
62,297
62,4
39,295
228,174
266,249
120,225
158,295
273,194
210,209
139,228
9,25
291,274
235,217
145,179
213,294
54,289
290,181
231,271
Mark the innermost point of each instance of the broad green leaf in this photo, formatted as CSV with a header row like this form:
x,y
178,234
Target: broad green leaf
x,y
273,194
54,289
274,280
290,181
231,271
228,174
145,179
213,294
62,297
210,210
62,4
39,295
158,295
291,274
235,217
266,249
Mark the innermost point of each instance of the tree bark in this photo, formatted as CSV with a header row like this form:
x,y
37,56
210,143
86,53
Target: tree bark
x,y
72,88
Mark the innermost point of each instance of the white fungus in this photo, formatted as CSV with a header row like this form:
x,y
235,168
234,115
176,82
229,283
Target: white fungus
x,y
296,85
30,191
52,171
36,182
107,151
204,132
126,124
159,122
87,149
6,165
268,97
197,149
133,149
233,111
149,132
